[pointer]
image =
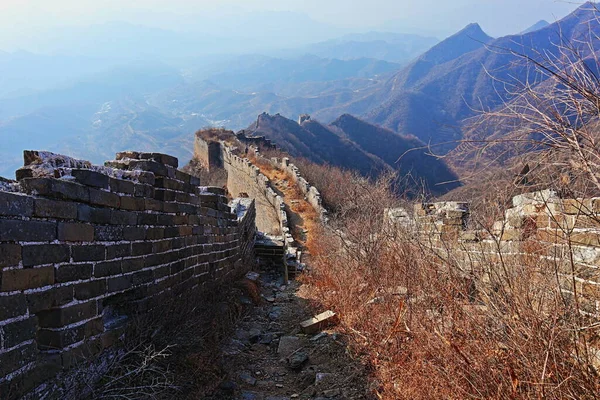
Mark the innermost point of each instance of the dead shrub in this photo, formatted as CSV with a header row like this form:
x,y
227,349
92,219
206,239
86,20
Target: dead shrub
x,y
434,325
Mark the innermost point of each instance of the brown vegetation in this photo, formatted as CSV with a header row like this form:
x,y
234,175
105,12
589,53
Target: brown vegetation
x,y
424,330
434,324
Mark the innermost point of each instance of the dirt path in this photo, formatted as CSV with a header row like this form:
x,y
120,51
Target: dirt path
x,y
269,358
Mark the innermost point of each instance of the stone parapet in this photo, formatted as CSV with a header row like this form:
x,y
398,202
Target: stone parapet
x,y
83,248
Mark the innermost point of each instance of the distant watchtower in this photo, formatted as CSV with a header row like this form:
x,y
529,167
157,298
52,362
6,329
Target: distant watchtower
x,y
302,118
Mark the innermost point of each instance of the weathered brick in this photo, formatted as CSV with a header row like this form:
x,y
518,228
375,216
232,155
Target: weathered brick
x,y
10,254
171,231
147,219
182,176
75,232
118,217
27,231
165,195
141,248
16,359
111,233
57,188
141,190
166,219
160,158
194,181
27,278
156,168
185,230
107,268
72,272
53,297
95,252
118,250
183,208
161,246
177,243
152,260
37,186
12,306
154,205
155,233
59,339
45,254
167,183
132,203
87,290
93,214
121,186
183,197
119,283
103,198
16,204
59,317
19,332
142,277
134,233
47,208
161,272
90,178
132,264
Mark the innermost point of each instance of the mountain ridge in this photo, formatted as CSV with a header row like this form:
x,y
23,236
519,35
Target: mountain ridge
x,y
353,144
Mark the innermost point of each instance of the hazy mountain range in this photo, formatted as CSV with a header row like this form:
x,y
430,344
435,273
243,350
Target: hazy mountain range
x,y
92,101
353,144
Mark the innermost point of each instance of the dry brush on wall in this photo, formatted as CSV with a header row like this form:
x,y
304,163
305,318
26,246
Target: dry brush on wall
x,y
83,248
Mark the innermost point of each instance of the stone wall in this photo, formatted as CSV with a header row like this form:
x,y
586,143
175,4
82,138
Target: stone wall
x,y
208,153
245,180
313,196
83,247
539,230
256,141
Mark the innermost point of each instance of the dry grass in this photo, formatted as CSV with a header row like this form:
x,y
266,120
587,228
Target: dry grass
x,y
305,220
171,352
424,330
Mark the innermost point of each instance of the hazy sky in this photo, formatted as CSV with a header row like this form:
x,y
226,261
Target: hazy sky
x,y
439,17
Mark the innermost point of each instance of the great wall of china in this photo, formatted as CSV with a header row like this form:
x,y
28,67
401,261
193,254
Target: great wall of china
x,y
83,247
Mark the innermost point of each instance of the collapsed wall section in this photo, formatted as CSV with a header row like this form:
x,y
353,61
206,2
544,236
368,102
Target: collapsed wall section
x,y
540,230
83,248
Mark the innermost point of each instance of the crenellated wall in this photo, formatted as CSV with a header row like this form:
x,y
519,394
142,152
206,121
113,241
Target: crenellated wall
x,y
313,196
245,179
82,248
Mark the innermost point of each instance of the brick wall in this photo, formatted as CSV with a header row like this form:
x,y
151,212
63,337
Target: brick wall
x,y
313,196
559,236
84,247
208,153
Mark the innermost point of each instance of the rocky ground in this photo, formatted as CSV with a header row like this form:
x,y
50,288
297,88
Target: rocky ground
x,y
269,358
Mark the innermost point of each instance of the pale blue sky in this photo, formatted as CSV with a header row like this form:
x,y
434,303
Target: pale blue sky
x,y
20,18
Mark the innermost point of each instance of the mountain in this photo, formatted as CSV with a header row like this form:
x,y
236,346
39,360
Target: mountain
x,y
536,27
353,144
186,35
22,72
392,47
253,73
153,105
134,80
433,97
